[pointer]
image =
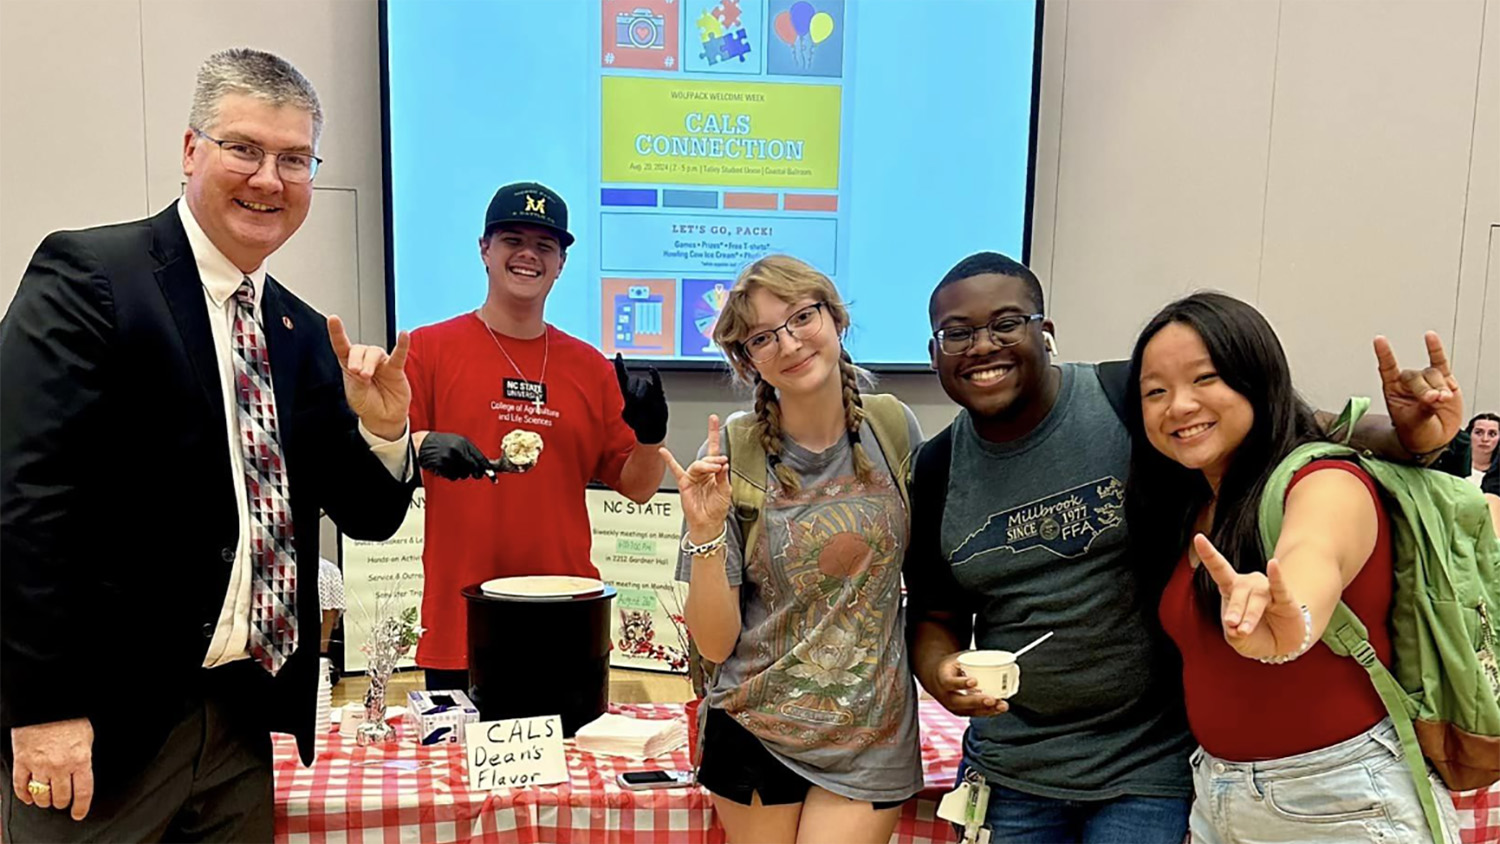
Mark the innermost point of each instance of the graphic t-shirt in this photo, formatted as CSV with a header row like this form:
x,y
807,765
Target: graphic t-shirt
x,y
532,523
820,672
1034,530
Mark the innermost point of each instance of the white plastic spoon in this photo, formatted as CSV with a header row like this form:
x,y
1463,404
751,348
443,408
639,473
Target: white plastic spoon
x,y
1044,637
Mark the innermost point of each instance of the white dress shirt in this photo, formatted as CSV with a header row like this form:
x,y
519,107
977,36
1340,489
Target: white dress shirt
x,y
221,278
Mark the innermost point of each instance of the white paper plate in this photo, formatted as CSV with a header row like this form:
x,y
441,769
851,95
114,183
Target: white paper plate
x,y
542,586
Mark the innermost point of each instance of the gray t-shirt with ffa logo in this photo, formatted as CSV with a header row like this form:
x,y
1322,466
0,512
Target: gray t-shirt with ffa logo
x,y
1035,529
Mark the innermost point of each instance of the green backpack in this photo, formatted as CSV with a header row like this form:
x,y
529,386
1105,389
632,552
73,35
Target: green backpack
x,y
1443,690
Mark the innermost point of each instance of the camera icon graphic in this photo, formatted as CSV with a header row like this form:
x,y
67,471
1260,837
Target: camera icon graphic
x,y
640,29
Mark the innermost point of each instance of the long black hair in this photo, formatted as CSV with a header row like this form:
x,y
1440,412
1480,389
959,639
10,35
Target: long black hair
x,y
1163,498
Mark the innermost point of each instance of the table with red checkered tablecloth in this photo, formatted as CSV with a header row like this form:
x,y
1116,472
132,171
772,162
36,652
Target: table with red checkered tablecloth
x,y
401,792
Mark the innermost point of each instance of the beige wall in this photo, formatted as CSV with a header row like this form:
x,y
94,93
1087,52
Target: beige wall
x,y
95,96
1336,162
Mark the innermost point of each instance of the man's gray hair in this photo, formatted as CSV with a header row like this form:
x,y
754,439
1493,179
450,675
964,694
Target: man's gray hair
x,y
254,73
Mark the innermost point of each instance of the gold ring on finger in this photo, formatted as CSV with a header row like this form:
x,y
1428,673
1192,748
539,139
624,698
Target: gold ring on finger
x,y
38,788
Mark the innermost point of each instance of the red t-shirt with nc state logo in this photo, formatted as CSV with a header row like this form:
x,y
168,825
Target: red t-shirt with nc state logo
x,y
532,523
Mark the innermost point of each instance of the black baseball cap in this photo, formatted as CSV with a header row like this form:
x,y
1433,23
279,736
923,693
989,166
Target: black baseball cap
x,y
532,204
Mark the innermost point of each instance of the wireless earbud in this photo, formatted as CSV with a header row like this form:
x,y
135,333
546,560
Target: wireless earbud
x,y
1049,342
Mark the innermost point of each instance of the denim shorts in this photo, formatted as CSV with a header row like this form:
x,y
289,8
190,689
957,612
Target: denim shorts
x,y
1356,790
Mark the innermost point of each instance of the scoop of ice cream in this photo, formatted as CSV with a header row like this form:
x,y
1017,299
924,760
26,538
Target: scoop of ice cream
x,y
522,448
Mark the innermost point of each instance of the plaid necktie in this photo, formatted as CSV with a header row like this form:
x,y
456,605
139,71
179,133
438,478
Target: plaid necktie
x,y
273,590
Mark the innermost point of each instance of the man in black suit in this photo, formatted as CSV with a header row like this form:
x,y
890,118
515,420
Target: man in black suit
x,y
173,421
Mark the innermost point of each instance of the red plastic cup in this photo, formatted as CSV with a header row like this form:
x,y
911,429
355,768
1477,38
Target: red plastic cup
x,y
691,711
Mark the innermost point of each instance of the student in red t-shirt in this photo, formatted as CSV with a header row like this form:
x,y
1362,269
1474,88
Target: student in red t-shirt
x,y
1294,742
482,374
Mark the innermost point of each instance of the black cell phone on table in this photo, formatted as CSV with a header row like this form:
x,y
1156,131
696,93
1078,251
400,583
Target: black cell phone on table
x,y
639,780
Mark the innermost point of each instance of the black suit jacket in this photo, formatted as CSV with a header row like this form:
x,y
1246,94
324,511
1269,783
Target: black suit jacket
x,y
118,521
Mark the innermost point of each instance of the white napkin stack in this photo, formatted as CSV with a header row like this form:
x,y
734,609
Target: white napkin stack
x,y
323,722
621,735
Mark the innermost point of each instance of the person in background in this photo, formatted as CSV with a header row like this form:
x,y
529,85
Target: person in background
x,y
811,729
499,368
159,611
1484,463
1484,468
1295,743
331,602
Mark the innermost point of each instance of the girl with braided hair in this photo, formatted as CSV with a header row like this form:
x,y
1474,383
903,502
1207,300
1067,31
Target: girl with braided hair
x,y
811,728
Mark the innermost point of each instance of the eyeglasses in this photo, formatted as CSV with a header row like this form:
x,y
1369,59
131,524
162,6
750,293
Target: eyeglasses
x,y
803,325
245,158
1004,331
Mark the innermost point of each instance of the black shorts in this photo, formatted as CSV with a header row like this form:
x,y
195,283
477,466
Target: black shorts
x,y
736,765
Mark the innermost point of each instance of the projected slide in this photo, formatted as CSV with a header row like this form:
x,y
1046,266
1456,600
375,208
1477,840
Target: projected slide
x,y
876,141
693,170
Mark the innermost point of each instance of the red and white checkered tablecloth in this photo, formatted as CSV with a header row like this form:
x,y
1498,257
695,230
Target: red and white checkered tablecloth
x,y
401,792
1479,815
419,795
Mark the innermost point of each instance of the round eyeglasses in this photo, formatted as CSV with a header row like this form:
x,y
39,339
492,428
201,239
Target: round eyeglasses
x,y
802,325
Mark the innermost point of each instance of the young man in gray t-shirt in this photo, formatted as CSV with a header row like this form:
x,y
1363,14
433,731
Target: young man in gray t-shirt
x,y
1094,746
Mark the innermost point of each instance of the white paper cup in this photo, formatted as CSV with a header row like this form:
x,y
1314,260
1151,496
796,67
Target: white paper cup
x,y
997,672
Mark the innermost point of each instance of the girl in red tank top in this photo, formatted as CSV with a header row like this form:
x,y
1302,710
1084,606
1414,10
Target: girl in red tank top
x,y
1295,744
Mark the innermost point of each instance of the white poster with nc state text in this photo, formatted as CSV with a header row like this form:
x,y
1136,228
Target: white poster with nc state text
x,y
635,549
387,575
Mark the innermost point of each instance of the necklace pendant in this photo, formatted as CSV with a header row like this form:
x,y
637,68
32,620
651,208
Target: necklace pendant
x,y
521,389
531,392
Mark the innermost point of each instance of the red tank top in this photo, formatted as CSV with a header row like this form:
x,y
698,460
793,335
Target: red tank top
x,y
1243,710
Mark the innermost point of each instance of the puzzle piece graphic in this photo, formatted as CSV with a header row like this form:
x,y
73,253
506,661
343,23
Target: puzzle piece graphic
x,y
736,44
728,13
713,50
709,27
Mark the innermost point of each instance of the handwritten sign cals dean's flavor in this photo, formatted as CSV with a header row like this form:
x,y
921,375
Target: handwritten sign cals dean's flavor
x,y
516,752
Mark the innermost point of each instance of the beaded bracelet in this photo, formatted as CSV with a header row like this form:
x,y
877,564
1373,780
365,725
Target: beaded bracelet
x,y
1282,659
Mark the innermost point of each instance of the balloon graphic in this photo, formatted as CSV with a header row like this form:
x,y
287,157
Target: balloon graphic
x,y
784,29
820,27
802,14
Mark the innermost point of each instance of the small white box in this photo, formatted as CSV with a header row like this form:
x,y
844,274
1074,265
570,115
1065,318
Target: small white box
x,y
441,716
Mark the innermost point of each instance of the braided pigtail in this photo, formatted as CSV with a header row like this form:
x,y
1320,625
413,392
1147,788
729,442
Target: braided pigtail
x,y
854,416
768,412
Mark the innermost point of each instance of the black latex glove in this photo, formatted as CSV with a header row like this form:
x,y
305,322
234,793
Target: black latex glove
x,y
452,456
645,403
